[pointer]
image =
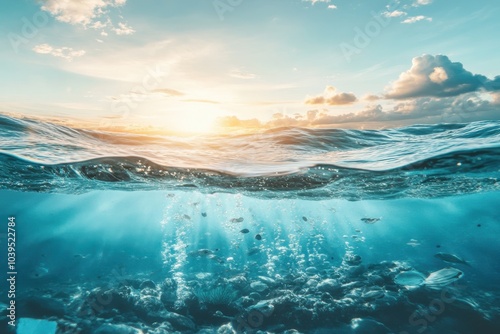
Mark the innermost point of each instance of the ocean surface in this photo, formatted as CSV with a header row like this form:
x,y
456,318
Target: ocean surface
x,y
286,230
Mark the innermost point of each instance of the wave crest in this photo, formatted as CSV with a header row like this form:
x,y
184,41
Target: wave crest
x,y
418,161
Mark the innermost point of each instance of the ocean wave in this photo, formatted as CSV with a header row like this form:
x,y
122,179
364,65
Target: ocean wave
x,y
423,161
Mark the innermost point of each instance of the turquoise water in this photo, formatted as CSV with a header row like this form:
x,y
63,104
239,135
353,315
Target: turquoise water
x,y
284,231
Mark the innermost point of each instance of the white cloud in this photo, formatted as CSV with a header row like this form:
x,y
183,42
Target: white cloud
x,y
78,11
313,2
89,13
63,52
371,97
439,77
395,13
123,29
332,98
403,8
316,1
466,108
421,3
418,18
100,24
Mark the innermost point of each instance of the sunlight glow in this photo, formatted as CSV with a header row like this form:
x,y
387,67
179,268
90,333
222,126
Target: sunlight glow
x,y
196,118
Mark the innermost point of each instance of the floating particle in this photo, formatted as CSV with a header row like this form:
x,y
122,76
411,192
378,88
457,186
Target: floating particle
x,y
203,214
370,220
438,246
258,237
245,231
478,225
237,220
186,217
304,218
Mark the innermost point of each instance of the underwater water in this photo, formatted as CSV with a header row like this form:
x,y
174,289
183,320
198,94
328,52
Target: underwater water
x,y
283,231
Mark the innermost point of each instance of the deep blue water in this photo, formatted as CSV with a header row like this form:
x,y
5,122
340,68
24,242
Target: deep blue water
x,y
270,232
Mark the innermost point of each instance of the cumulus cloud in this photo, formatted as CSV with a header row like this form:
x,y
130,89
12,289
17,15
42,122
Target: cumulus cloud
x,y
438,76
371,97
63,52
77,11
89,13
278,120
493,85
465,108
123,29
402,8
332,98
433,90
415,19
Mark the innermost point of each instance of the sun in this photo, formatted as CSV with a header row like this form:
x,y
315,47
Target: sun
x,y
193,119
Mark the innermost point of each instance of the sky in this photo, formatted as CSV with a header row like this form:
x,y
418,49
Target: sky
x,y
199,66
